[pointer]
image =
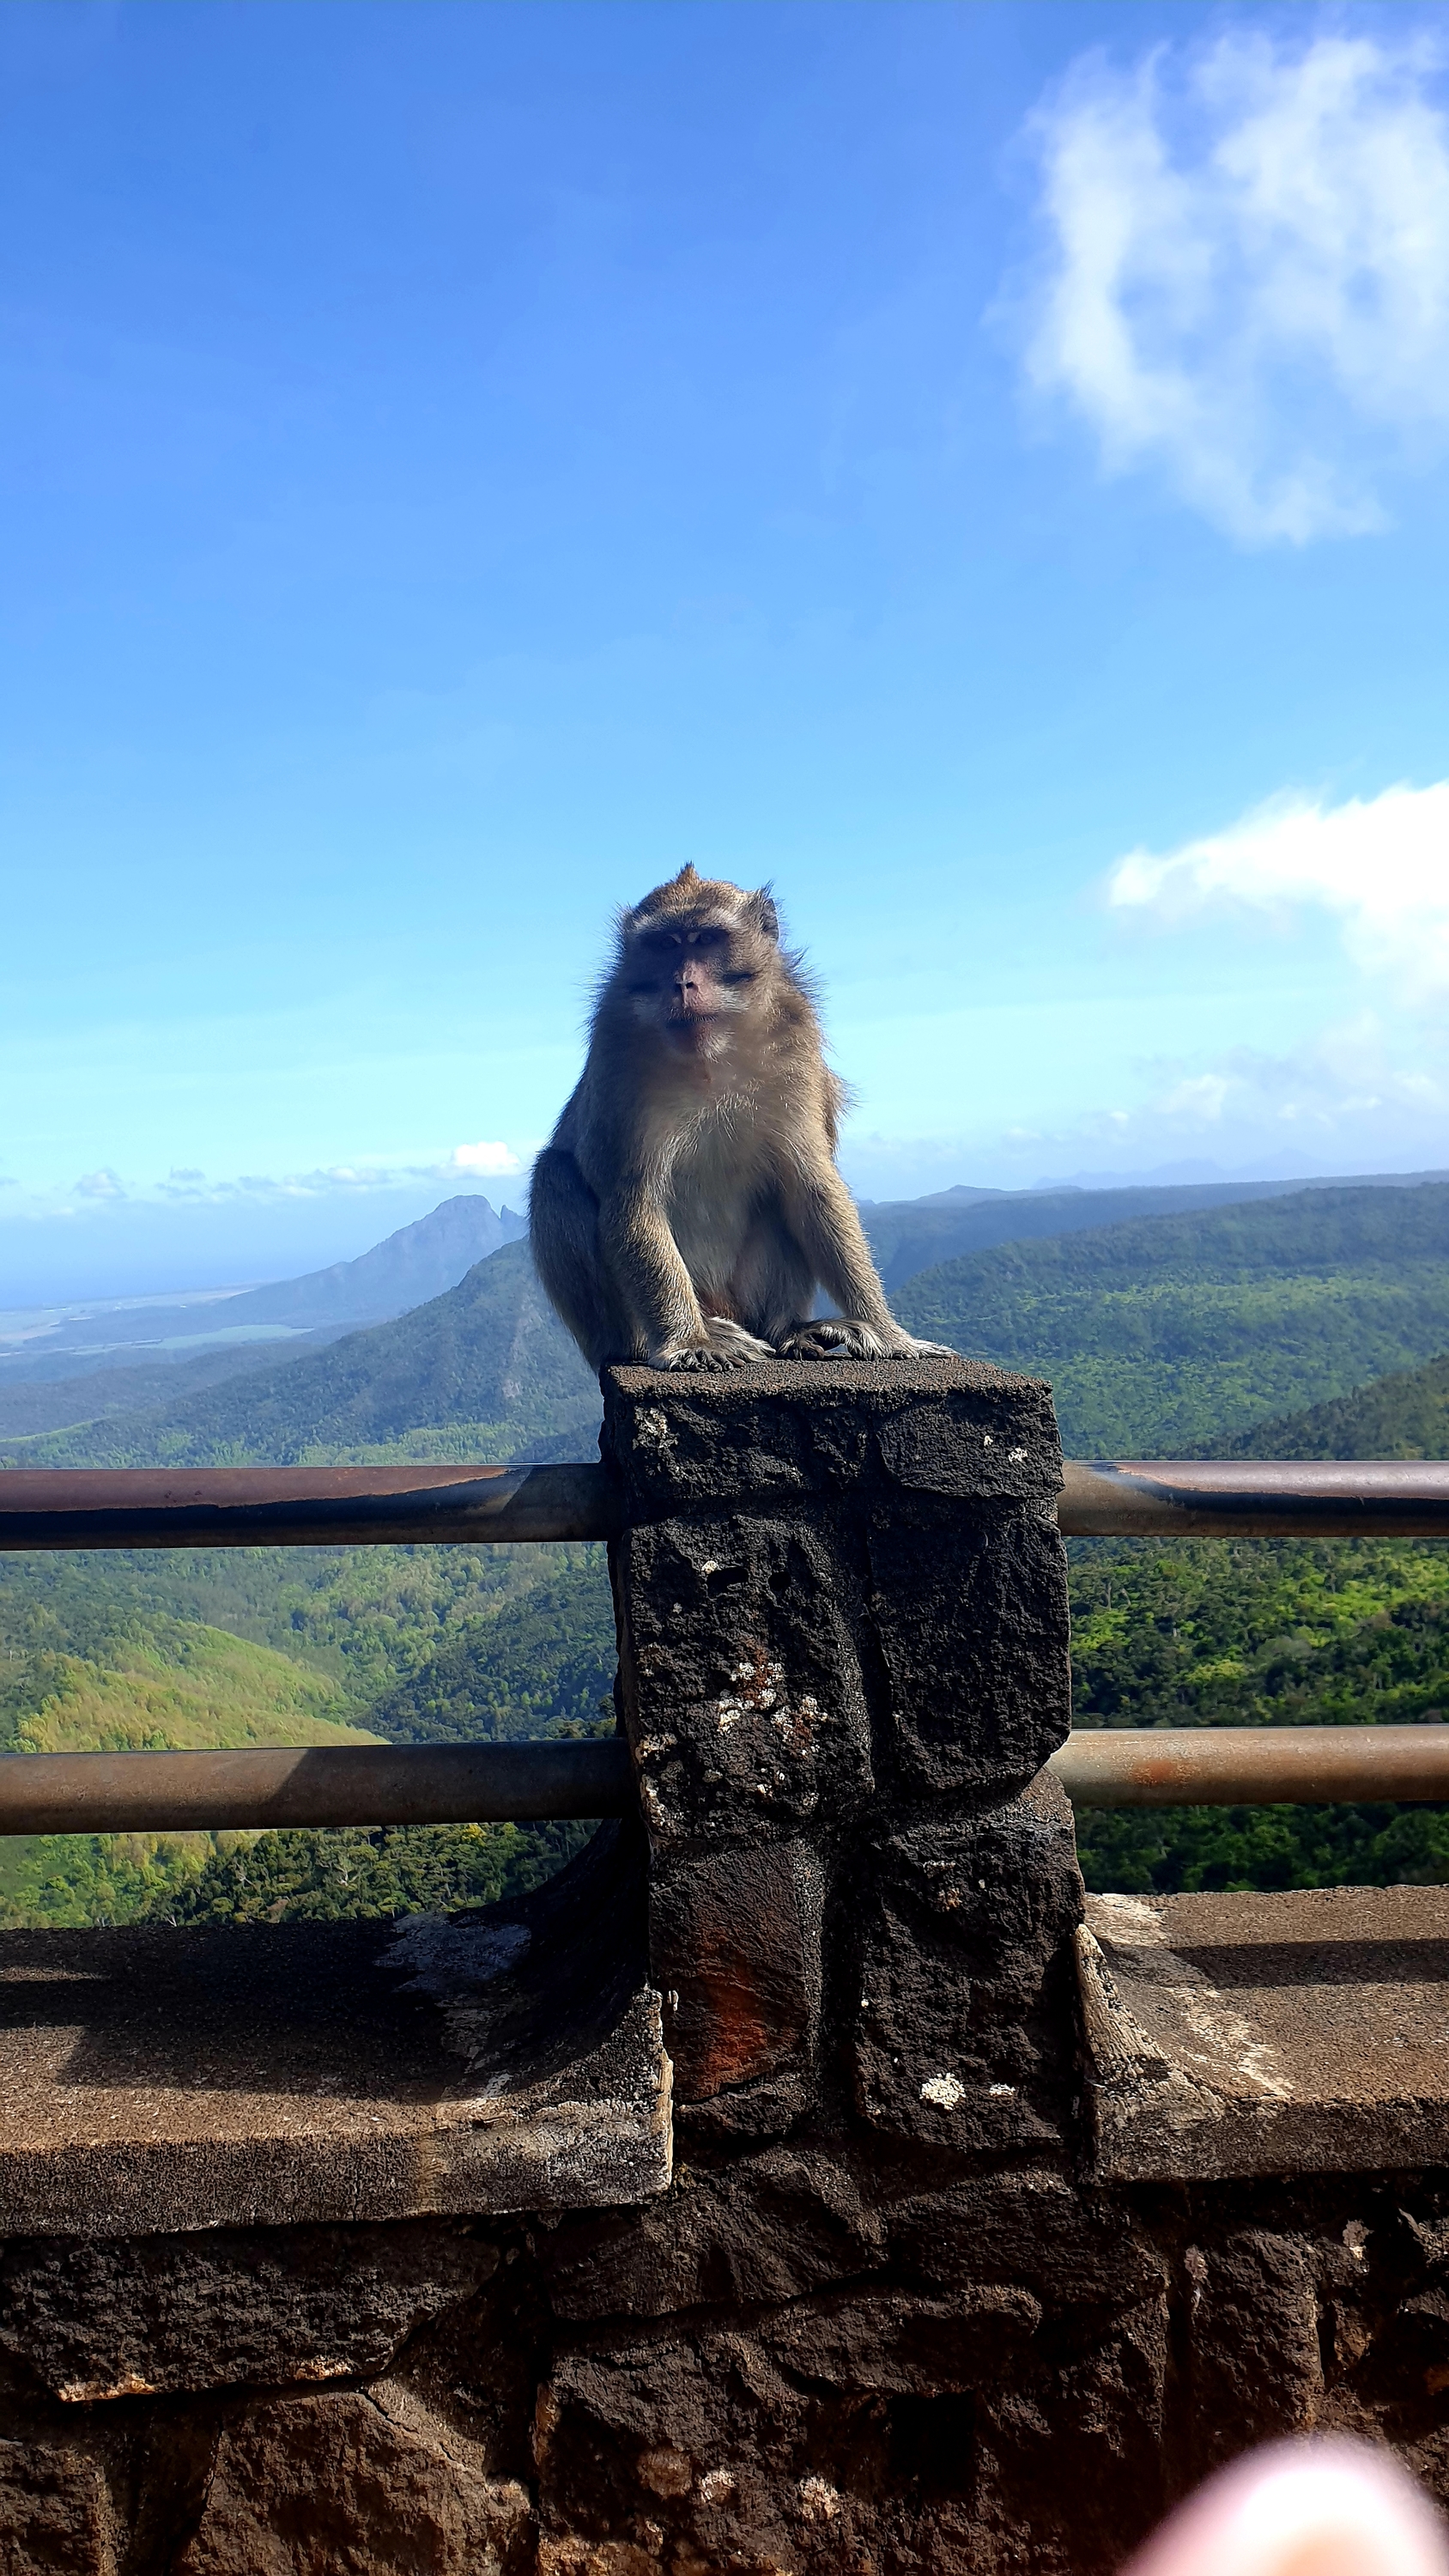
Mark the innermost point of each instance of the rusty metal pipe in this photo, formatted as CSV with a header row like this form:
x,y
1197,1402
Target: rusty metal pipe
x,y
60,1793
1253,1766
512,1506
1254,1497
301,1506
323,1784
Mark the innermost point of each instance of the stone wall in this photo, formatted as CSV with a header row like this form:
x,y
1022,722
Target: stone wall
x,y
883,2317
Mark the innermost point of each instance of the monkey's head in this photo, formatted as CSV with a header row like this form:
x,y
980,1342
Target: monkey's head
x,y
694,957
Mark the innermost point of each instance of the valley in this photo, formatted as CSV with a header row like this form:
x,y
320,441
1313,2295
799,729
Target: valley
x,y
1312,1322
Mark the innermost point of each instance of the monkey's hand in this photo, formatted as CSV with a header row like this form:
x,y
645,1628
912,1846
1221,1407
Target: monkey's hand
x,y
726,1345
837,1337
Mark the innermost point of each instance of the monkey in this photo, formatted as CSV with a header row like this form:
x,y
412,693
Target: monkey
x,y
688,1204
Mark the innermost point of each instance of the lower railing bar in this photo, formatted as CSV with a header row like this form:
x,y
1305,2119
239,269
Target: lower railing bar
x,y
507,1506
439,1784
1231,1766
327,1784
1255,1497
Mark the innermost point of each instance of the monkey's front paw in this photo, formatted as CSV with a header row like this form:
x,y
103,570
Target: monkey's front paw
x,y
832,1337
837,1337
728,1346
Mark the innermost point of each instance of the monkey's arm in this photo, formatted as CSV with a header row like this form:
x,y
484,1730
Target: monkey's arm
x,y
823,1215
563,1229
655,1285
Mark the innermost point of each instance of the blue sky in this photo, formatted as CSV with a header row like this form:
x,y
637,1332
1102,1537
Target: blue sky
x,y
981,467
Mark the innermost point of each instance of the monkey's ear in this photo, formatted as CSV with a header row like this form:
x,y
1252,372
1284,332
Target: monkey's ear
x,y
762,905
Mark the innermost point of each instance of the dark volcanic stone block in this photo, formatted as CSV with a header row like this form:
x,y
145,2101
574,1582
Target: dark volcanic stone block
x,y
963,2031
821,1428
368,2480
772,2227
741,1684
1256,2367
56,2510
1073,2248
971,1614
648,2443
735,1950
98,2319
887,2340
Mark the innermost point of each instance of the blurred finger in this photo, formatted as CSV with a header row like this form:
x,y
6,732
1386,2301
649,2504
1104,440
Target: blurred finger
x,y
1311,2508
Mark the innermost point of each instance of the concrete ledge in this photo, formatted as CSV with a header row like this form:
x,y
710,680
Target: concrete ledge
x,y
1306,2032
154,2080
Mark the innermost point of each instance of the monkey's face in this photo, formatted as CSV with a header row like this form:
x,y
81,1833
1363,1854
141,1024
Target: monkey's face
x,y
694,976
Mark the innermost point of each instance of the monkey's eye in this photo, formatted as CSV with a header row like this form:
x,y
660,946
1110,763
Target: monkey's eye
x,y
659,942
705,938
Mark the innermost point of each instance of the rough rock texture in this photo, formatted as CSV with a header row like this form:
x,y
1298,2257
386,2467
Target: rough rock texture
x,y
367,2480
893,2316
96,2319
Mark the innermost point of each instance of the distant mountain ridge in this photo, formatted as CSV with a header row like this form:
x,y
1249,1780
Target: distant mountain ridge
x,y
489,1354
406,1269
409,1268
910,1235
417,1262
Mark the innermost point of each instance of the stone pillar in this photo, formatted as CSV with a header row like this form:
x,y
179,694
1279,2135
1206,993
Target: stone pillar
x,y
843,1662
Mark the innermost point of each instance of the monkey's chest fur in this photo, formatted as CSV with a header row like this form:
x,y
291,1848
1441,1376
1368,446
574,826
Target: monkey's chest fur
x,y
717,1189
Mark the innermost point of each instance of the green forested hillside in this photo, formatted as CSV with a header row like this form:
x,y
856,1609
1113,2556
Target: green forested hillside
x,y
146,1685
545,1665
353,1629
1166,1336
1260,1632
1402,1416
179,1685
488,1361
405,1869
909,1235
275,1645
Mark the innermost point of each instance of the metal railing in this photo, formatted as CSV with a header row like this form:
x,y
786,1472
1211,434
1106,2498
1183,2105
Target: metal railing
x,y
512,1506
440,1784
315,1784
509,1506
1253,1766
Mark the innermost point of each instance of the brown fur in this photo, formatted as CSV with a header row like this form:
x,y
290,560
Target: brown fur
x,y
688,1205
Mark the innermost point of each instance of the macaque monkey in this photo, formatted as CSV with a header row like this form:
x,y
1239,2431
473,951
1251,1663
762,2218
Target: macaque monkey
x,y
689,1204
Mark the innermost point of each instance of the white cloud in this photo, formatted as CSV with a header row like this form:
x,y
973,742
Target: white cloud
x,y
1380,866
1347,1099
1200,1098
442,1169
1367,1094
496,1160
1248,278
1348,1080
